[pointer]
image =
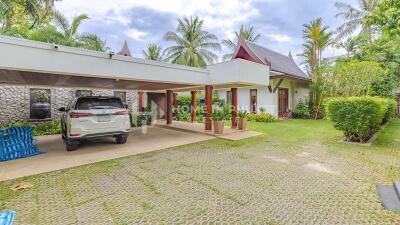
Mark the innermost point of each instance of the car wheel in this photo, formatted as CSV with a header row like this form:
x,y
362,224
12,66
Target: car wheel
x,y
72,145
121,139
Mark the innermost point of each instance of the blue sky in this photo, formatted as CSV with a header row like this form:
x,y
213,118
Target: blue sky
x,y
141,22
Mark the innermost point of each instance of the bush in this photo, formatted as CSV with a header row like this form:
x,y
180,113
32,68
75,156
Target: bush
x,y
40,129
302,111
187,117
392,107
357,117
262,117
142,118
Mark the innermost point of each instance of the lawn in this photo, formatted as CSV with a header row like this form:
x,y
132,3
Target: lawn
x,y
297,172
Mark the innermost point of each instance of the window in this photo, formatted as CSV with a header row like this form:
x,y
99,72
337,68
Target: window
x,y
40,104
121,95
83,93
229,97
253,100
98,103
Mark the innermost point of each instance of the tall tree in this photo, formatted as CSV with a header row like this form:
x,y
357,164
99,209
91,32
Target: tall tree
x,y
317,38
355,18
152,52
193,45
249,33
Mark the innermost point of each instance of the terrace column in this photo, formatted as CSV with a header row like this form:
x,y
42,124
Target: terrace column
x,y
140,104
208,93
194,106
234,107
169,106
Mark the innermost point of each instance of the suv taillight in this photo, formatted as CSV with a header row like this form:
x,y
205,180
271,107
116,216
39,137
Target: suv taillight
x,y
121,113
79,114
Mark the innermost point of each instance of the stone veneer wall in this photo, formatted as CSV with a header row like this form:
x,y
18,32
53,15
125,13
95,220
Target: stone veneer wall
x,y
15,101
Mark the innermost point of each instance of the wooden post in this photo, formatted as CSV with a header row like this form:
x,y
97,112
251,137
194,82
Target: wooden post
x,y
234,107
169,106
194,106
175,100
140,105
208,95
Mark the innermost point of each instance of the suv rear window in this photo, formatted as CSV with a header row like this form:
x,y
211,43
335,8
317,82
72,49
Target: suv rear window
x,y
98,103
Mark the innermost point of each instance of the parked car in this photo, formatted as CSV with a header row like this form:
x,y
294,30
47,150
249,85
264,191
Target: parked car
x,y
94,117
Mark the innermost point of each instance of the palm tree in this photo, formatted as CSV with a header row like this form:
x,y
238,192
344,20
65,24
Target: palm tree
x,y
194,46
153,52
355,17
31,12
248,33
64,33
317,38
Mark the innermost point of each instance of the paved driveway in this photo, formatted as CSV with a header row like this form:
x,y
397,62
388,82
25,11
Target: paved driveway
x,y
210,182
56,157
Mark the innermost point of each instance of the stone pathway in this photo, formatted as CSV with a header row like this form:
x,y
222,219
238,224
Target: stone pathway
x,y
210,183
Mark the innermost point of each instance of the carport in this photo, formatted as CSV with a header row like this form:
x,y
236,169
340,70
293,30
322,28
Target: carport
x,y
25,62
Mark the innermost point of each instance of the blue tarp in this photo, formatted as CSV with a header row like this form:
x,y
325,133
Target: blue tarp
x,y
6,218
17,142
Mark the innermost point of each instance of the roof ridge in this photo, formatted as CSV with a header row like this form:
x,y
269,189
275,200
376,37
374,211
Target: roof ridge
x,y
267,49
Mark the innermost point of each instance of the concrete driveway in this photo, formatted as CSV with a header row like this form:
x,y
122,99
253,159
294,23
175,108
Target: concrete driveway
x,y
56,157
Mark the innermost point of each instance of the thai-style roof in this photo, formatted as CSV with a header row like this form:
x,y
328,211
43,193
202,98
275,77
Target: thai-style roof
x,y
125,50
280,65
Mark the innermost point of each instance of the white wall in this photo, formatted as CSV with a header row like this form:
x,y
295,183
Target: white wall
x,y
297,92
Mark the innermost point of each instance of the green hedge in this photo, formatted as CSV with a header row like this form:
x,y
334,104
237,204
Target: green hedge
x,y
262,117
40,129
359,117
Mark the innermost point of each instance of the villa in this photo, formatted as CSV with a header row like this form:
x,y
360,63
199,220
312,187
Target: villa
x,y
255,78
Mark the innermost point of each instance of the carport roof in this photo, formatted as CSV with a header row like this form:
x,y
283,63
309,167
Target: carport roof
x,y
27,62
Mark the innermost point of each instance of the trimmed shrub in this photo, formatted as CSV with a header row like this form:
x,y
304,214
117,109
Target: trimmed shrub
x,y
262,117
357,117
392,107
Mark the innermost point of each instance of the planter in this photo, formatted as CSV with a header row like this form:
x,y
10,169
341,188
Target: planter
x,y
218,127
242,123
40,110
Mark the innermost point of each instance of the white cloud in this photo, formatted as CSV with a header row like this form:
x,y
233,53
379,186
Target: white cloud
x,y
135,34
279,37
221,14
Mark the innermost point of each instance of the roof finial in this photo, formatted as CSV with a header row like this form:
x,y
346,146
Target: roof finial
x,y
290,54
125,50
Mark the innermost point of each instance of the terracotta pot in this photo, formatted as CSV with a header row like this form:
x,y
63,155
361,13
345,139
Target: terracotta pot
x,y
218,127
242,123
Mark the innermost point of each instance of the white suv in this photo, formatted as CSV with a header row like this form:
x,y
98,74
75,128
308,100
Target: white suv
x,y
94,117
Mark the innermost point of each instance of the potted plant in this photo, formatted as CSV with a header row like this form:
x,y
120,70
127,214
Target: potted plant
x,y
242,123
218,117
40,109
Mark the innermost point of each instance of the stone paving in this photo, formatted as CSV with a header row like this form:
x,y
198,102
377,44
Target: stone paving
x,y
211,182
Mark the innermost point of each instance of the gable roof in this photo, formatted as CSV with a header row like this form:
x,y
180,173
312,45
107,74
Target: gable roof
x,y
283,65
125,50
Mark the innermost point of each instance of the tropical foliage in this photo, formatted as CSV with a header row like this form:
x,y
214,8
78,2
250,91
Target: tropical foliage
x,y
22,15
351,78
317,38
153,52
193,46
248,33
61,31
355,18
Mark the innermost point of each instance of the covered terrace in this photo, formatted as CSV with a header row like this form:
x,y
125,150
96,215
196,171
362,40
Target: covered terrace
x,y
25,62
